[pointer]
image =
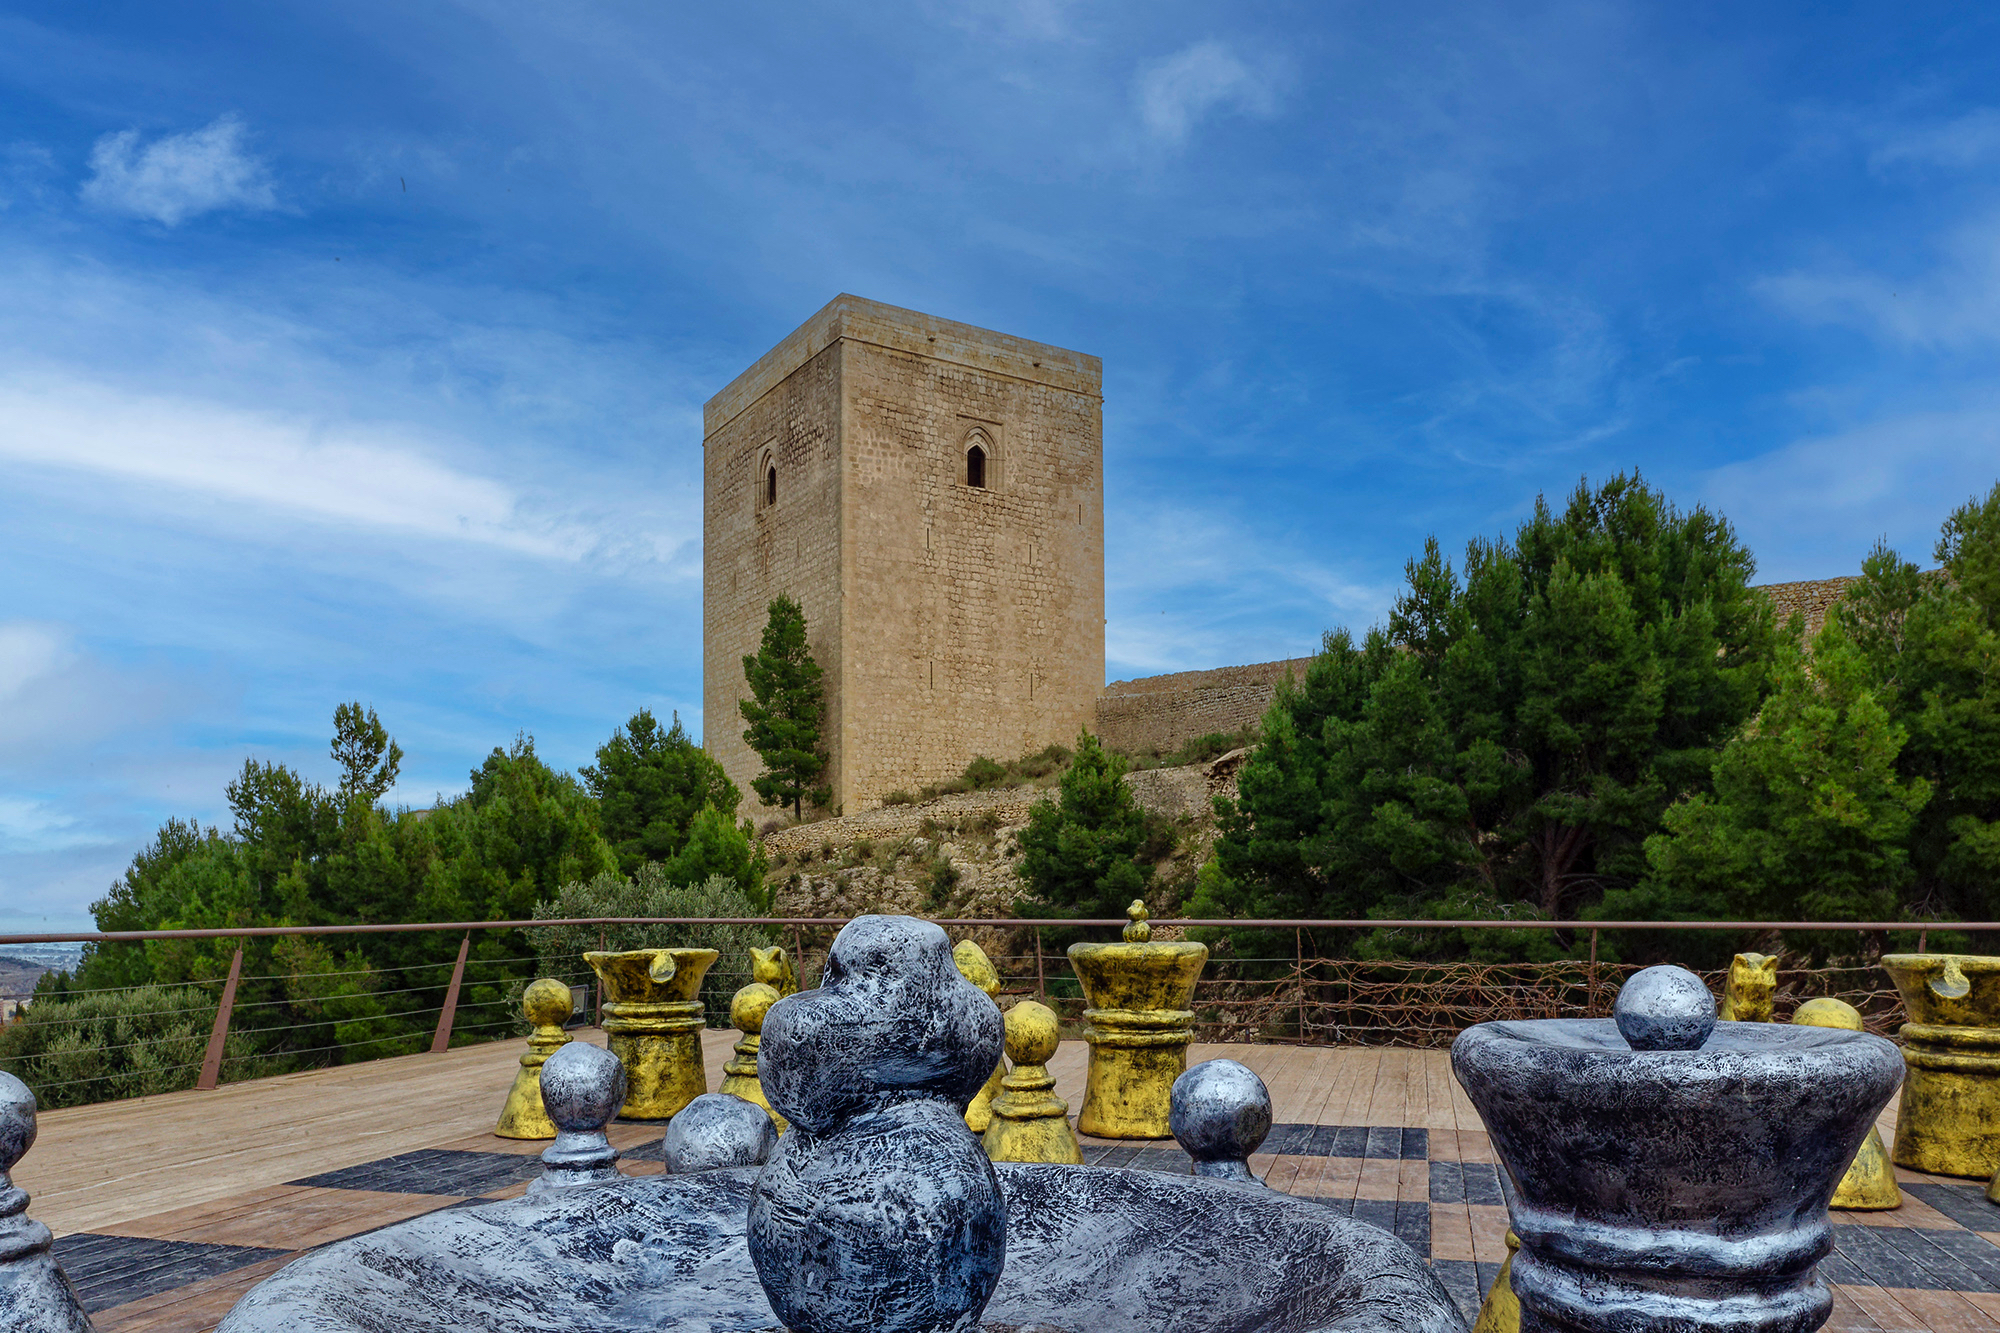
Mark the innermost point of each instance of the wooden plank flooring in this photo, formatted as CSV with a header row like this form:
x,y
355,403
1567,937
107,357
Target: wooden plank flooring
x,y
170,1207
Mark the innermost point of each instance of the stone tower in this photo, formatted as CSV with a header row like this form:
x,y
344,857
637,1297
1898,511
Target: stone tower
x,y
932,495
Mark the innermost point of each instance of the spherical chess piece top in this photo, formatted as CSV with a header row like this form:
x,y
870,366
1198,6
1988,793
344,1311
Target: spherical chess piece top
x,y
1033,1033
747,1009
582,1086
1220,1113
1665,1008
1137,931
17,1123
1827,1012
718,1129
546,1003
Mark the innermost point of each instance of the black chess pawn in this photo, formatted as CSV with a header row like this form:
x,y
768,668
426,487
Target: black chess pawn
x,y
582,1088
35,1294
1220,1112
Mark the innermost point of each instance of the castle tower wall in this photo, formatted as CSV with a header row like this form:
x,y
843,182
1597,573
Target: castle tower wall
x,y
952,619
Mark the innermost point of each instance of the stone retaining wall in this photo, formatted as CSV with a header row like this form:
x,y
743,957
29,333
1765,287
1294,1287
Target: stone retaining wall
x,y
1156,714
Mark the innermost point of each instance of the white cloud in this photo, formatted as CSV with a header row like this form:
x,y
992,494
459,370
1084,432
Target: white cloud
x,y
1954,303
1179,92
1821,502
345,474
179,176
1965,142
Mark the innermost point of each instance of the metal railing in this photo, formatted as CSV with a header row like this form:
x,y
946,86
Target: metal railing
x,y
1307,995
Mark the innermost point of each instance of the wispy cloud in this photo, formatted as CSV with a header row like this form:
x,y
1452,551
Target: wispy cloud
x,y
1178,93
178,176
1961,142
1952,301
331,472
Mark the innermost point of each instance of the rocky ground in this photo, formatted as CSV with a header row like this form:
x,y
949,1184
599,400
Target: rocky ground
x,y
955,856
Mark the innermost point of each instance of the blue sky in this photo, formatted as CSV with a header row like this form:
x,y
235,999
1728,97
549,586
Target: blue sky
x,y
358,351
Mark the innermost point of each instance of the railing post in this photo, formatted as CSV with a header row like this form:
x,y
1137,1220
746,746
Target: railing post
x,y
1041,978
442,1040
218,1037
603,943
1299,954
1590,981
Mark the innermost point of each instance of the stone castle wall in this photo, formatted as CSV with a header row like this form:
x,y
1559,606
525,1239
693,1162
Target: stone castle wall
x,y
950,619
1156,714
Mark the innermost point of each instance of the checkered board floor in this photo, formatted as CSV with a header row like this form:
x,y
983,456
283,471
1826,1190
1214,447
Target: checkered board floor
x,y
1933,1264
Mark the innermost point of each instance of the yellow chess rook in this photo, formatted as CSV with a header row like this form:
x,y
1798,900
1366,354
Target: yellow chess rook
x,y
1029,1122
1948,1121
1753,980
1138,1025
977,968
653,1022
547,1006
1870,1182
746,1015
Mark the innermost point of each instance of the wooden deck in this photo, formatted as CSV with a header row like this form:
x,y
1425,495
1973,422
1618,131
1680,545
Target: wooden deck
x,y
168,1208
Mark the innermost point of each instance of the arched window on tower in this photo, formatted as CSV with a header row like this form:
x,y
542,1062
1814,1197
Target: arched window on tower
x,y
770,484
975,466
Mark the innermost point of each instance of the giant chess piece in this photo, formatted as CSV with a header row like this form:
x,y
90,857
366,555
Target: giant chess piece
x,y
582,1086
739,1076
879,1213
1948,1122
1221,1114
547,1005
774,968
1139,1024
1870,1182
1029,1122
653,1022
1669,1171
977,968
35,1294
1753,980
717,1130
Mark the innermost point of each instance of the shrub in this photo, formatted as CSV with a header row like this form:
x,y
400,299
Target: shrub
x,y
105,1045
559,950
899,797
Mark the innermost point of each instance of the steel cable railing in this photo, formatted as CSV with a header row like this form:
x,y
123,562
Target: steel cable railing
x,y
292,1020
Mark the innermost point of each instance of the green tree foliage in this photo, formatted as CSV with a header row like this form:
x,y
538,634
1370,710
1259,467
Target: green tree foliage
x,y
786,710
368,759
651,892
649,784
1511,739
1809,818
1078,853
74,1049
718,849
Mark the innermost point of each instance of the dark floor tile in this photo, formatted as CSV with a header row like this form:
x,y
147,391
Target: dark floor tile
x,y
1966,1205
1447,1183
1958,1260
1385,1141
1291,1140
111,1270
1413,1225
1902,1257
1461,1279
1416,1145
432,1171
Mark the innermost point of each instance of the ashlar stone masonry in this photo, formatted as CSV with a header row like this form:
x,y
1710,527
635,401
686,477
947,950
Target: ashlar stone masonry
x,y
932,494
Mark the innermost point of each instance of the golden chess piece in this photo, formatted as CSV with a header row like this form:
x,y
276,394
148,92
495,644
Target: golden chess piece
x,y
1501,1311
1753,980
1139,1024
977,968
1029,1122
746,1015
547,1005
1948,1121
653,1023
773,967
1870,1182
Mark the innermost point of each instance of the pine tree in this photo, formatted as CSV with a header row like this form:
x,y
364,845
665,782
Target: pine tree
x,y
1078,855
785,712
650,783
